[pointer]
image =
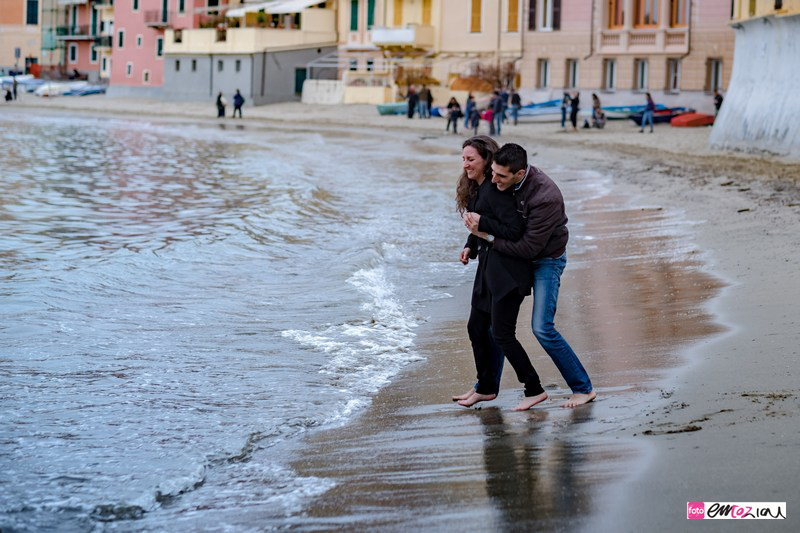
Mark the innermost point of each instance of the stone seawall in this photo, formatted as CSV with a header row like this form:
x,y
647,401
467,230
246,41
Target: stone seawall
x,y
761,111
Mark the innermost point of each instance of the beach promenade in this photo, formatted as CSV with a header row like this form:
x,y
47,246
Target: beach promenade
x,y
724,423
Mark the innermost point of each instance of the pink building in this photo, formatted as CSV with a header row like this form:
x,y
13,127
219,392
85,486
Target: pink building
x,y
137,67
79,27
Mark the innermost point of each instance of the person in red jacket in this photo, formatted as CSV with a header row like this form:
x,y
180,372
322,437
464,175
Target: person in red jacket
x,y
544,243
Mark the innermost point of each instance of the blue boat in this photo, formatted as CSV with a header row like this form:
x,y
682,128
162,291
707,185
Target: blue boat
x,y
620,112
661,115
397,108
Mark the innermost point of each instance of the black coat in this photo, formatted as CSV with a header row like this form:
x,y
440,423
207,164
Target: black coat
x,y
497,274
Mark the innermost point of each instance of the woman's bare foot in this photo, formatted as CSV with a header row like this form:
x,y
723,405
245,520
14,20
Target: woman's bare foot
x,y
530,401
464,396
579,399
475,398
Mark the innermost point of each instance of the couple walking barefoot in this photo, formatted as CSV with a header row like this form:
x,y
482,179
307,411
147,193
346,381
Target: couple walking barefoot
x,y
518,233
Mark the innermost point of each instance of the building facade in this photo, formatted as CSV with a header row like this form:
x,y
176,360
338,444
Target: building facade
x,y
678,50
20,35
260,49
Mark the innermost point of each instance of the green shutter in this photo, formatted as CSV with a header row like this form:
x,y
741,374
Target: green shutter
x,y
353,15
370,13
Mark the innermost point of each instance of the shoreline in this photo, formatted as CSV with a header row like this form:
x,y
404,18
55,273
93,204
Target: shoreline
x,y
737,387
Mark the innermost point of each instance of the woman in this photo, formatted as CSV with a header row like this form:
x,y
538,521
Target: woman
x,y
497,276
647,116
453,114
221,103
470,105
575,102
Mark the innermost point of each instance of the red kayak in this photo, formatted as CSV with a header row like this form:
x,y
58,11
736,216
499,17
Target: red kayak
x,y
691,120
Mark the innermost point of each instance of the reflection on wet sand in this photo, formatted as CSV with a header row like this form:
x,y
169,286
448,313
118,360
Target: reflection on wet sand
x,y
632,298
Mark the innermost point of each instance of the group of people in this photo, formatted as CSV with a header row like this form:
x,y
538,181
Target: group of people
x,y
11,94
222,102
572,103
496,112
518,232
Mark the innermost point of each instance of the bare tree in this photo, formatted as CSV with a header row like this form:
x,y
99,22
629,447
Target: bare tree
x,y
503,75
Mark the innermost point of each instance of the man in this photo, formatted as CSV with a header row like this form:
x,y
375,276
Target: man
x,y
424,97
544,242
717,102
498,111
238,102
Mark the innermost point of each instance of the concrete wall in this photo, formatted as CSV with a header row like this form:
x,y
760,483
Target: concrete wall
x,y
761,111
328,92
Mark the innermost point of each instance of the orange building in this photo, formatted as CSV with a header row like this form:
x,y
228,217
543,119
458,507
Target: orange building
x,y
20,36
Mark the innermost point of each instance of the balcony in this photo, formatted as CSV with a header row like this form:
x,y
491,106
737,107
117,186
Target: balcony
x,y
75,33
156,18
643,41
103,41
411,36
72,2
241,40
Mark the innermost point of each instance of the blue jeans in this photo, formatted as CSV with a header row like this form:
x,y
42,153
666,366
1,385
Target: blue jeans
x,y
424,110
515,113
498,119
546,282
647,117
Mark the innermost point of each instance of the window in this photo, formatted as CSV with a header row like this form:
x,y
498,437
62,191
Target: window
x,y
129,69
609,74
73,53
645,13
238,65
105,65
177,65
532,15
370,13
674,75
549,14
640,70
513,16
398,13
136,5
426,12
177,36
181,6
572,74
138,41
194,65
679,13
121,39
146,76
714,74
616,13
219,65
751,11
353,15
475,17
354,64
159,47
93,55
543,74
370,64
95,20
32,12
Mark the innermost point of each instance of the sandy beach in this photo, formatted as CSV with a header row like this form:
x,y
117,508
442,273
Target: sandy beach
x,y
696,352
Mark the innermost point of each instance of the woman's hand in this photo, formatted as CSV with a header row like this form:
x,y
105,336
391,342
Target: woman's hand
x,y
464,257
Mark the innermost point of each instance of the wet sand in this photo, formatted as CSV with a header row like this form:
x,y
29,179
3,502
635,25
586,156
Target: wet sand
x,y
694,353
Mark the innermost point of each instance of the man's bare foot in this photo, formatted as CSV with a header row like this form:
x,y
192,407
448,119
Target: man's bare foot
x,y
579,399
475,398
464,396
530,401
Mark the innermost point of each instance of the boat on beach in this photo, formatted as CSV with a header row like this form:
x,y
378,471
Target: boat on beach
x,y
397,108
621,112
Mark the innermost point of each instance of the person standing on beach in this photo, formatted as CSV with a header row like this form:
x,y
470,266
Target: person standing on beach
x,y
516,105
544,243
453,114
501,281
413,100
647,116
238,102
221,103
717,102
468,107
565,102
422,106
575,101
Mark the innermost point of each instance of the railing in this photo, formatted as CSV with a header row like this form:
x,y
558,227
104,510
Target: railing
x,y
104,41
74,31
609,39
642,39
157,18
